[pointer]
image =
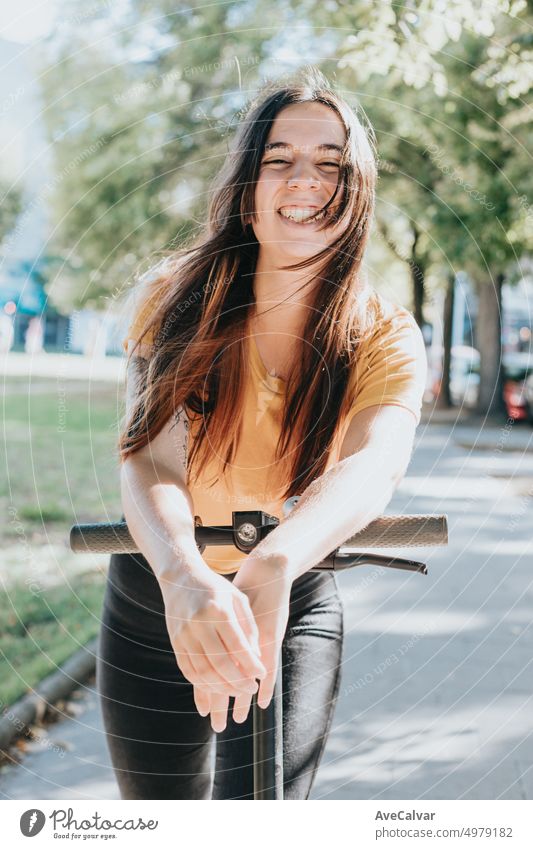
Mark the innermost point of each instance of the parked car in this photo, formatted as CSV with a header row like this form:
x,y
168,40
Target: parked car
x,y
464,375
528,392
518,370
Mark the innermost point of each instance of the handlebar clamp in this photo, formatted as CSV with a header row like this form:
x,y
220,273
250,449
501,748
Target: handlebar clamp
x,y
250,527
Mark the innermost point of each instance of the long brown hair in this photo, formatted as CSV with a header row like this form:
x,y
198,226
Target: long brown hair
x,y
204,296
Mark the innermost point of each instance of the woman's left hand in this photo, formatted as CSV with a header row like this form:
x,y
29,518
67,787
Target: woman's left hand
x,y
268,589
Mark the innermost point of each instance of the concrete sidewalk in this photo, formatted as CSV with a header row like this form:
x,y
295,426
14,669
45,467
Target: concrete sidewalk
x,y
62,366
436,694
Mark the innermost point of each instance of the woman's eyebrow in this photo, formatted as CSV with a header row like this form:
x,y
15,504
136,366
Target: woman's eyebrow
x,y
324,146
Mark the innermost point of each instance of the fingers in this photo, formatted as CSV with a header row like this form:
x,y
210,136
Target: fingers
x,y
239,649
219,711
218,669
220,650
198,670
270,656
208,664
186,666
202,699
218,704
241,707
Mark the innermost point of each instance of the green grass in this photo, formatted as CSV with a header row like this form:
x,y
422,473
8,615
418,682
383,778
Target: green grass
x,y
61,461
60,467
39,631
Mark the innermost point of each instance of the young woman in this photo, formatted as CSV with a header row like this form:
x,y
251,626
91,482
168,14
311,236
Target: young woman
x,y
261,365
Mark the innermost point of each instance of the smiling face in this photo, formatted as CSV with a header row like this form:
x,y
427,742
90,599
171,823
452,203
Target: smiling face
x,y
299,171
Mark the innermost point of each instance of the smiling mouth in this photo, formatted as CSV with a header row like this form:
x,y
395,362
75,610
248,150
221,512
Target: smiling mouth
x,y
317,216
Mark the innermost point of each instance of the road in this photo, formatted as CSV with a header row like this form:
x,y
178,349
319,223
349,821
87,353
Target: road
x,y
436,693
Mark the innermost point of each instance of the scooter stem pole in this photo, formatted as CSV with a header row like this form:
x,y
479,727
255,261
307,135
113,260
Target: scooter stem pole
x,y
268,744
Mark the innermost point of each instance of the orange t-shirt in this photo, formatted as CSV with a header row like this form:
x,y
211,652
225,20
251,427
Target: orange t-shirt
x,y
391,369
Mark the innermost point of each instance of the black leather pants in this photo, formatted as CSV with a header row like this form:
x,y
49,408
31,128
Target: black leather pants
x,y
160,746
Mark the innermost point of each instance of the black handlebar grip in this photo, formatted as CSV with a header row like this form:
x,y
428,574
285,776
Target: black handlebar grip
x,y
400,531
103,537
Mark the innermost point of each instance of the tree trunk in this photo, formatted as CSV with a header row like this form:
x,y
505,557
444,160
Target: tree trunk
x,y
489,344
418,282
444,400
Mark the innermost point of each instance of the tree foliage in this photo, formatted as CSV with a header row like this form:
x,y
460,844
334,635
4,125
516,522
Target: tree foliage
x,y
140,129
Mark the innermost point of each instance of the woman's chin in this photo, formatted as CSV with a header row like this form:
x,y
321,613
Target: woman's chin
x,y
296,246
301,247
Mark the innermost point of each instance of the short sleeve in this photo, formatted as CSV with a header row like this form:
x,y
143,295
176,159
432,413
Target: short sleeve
x,y
145,298
392,368
141,314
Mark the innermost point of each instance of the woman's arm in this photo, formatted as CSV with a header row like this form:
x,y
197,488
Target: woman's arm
x,y
345,499
156,501
209,621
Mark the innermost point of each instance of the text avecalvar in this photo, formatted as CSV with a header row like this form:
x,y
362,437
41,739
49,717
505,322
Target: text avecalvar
x,y
405,815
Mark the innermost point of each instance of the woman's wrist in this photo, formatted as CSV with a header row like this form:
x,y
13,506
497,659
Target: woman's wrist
x,y
184,562
260,568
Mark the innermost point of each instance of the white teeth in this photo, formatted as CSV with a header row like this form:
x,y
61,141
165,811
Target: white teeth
x,y
301,215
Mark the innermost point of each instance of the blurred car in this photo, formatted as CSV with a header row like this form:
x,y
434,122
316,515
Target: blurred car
x,y
528,392
518,371
464,375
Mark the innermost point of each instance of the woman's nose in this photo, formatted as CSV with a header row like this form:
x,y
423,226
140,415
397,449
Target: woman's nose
x,y
300,181
299,177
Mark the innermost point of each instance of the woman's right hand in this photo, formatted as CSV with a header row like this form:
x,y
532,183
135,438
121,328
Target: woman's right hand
x,y
213,633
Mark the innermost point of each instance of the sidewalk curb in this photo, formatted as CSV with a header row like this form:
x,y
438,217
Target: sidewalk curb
x,y
33,706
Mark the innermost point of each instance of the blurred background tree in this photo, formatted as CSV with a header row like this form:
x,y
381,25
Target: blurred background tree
x,y
448,88
10,207
155,91
143,131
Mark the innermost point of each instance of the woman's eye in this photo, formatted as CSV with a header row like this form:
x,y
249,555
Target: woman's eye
x,y
275,161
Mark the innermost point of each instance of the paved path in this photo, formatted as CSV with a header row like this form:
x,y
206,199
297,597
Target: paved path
x,y
436,696
61,366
